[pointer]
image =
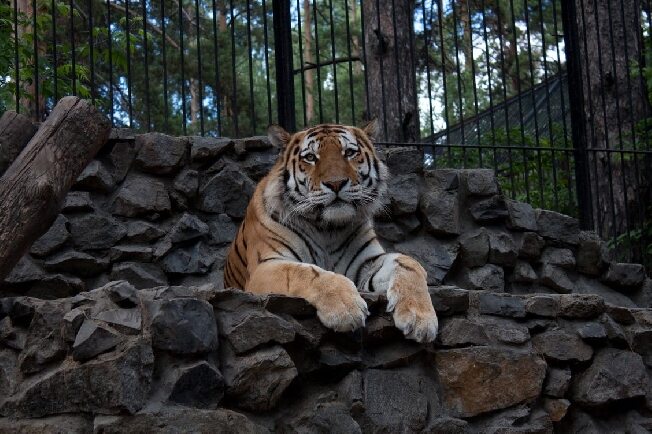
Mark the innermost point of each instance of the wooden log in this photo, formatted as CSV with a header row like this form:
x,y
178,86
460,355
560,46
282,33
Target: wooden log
x,y
33,188
15,132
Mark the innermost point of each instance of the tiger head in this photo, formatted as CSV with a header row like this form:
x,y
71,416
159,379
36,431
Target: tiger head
x,y
328,174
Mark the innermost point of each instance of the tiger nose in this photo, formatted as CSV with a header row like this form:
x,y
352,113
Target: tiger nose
x,y
335,185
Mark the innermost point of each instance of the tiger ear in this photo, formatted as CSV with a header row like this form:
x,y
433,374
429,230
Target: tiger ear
x,y
371,128
278,136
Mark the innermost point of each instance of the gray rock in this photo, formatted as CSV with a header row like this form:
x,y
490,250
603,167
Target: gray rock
x,y
187,183
393,402
489,277
557,227
140,275
441,212
256,381
521,216
70,424
248,329
78,263
141,195
501,305
505,331
44,344
54,238
591,253
174,420
481,182
478,380
209,148
227,192
126,320
489,210
116,383
143,232
258,164
93,339
96,231
474,248
557,382
195,259
9,375
582,306
338,359
26,270
283,304
643,298
95,177
404,193
402,159
248,144
447,425
184,326
556,278
121,157
77,201
72,321
222,229
460,332
531,246
321,417
542,305
641,342
502,250
592,332
624,277
198,385
121,293
160,154
613,376
437,257
559,257
188,227
556,408
130,252
523,273
449,300
562,346
615,332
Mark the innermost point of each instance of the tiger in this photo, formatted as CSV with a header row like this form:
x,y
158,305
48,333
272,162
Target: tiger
x,y
308,232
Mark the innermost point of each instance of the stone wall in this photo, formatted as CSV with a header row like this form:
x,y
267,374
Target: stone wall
x,y
540,330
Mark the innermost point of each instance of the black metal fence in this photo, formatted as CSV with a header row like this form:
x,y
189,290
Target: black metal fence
x,y
552,95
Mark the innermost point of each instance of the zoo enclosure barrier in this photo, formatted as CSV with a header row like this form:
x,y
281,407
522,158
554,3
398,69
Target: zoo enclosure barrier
x,y
554,96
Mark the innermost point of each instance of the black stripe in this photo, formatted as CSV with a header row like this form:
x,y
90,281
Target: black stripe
x,y
294,175
360,250
275,258
407,267
361,267
287,246
237,251
302,237
349,238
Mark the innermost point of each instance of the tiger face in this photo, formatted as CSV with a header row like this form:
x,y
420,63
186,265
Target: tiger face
x,y
330,174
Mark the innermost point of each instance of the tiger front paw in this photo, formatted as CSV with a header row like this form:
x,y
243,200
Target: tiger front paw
x,y
339,305
417,322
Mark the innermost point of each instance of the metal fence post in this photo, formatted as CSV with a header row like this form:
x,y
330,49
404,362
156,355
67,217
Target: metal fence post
x,y
577,112
284,64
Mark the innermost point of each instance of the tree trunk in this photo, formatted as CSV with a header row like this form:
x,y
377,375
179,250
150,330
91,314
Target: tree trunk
x,y
390,69
15,132
32,190
614,101
307,58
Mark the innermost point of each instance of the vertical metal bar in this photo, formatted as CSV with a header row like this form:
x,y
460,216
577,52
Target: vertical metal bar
x,y
303,77
444,81
459,85
199,70
252,109
183,70
148,115
577,112
217,95
426,43
382,72
364,59
318,61
268,86
165,69
284,65
476,108
490,81
91,58
55,63
110,41
348,50
234,94
128,47
72,47
36,75
396,62
332,25
16,58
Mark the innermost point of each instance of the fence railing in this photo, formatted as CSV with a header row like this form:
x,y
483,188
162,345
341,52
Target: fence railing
x,y
552,95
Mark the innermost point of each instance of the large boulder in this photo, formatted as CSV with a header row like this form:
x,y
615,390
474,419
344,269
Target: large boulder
x,y
141,195
160,154
184,326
